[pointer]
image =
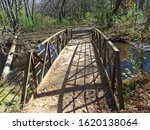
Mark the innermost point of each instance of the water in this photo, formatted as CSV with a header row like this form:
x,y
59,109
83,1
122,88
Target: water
x,y
54,55
129,54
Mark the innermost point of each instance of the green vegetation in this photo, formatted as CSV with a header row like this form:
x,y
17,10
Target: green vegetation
x,y
9,97
40,22
102,12
121,18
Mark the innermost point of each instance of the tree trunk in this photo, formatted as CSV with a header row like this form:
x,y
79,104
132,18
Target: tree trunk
x,y
117,5
9,60
32,11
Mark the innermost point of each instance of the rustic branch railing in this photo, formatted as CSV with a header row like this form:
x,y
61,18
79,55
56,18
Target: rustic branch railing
x,y
110,58
40,60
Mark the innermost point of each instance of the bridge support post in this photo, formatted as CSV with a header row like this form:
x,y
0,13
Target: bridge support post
x,y
119,80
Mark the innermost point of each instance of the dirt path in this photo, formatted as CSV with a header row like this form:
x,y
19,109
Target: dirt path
x,y
73,84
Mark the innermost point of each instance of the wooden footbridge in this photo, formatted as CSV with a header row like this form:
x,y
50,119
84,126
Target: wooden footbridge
x,y
75,70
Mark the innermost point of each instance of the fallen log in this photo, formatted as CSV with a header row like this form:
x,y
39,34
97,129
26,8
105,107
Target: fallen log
x,y
120,38
6,69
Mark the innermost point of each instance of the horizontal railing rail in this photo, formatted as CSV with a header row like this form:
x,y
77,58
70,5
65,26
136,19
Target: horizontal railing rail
x,y
40,60
110,58
80,32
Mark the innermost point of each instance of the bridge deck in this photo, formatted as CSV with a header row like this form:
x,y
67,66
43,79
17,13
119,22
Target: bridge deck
x,y
73,83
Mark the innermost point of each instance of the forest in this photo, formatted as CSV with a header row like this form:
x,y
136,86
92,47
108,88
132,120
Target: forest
x,y
25,24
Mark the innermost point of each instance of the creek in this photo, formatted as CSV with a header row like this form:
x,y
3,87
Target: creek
x,y
132,55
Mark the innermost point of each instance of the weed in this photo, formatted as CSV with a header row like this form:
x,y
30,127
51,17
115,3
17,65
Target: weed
x,y
128,92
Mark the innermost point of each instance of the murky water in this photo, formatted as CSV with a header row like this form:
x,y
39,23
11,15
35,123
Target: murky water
x,y
129,54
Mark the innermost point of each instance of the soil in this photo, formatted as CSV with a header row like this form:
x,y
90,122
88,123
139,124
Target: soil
x,y
138,97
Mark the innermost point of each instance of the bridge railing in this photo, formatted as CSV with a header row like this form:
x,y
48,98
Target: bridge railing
x,y
40,60
110,58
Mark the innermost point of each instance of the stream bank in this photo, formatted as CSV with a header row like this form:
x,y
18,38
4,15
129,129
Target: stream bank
x,y
133,57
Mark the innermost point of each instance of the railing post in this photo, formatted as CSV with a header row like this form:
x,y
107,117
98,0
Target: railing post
x,y
49,55
105,51
92,34
62,41
113,78
26,73
34,74
96,39
45,56
34,71
119,80
100,45
66,37
57,42
108,65
69,34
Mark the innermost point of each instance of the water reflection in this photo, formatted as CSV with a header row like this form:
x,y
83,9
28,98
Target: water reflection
x,y
129,53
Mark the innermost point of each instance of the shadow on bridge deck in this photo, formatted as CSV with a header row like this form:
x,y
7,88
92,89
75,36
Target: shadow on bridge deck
x,y
74,83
